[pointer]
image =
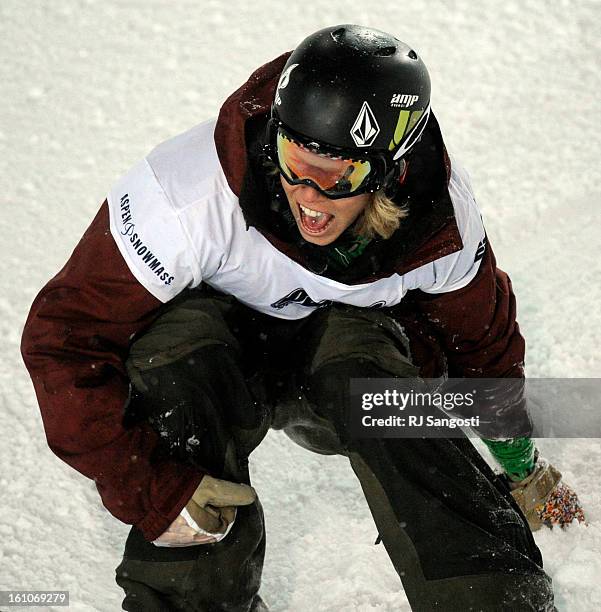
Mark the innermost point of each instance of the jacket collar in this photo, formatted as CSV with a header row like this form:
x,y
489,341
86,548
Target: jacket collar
x,y
253,99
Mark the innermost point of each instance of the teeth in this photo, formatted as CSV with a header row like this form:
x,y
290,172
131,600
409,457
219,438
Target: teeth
x,y
311,213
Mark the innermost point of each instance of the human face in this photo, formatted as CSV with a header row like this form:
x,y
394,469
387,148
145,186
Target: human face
x,y
337,215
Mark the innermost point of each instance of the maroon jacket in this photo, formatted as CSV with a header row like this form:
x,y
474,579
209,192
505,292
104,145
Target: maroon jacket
x,y
77,335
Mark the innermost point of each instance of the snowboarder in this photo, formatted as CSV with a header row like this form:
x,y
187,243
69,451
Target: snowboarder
x,y
235,280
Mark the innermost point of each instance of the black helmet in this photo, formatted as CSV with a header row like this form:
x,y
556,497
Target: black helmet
x,y
354,91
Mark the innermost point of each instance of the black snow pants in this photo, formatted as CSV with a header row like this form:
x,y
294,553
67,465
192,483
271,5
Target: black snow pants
x,y
212,376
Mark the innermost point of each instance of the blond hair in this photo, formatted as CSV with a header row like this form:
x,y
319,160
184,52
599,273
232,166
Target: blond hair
x,y
381,217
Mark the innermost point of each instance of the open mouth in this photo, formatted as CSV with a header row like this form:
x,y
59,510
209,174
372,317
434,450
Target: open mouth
x,y
313,221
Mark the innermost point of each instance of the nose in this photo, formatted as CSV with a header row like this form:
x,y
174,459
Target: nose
x,y
308,194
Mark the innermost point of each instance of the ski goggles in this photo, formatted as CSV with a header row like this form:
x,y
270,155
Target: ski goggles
x,y
334,175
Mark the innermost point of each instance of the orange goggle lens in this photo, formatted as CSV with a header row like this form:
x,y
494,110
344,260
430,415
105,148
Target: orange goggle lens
x,y
333,176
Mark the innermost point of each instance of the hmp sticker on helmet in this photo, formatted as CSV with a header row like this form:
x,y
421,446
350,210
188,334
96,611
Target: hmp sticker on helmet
x,y
366,128
283,82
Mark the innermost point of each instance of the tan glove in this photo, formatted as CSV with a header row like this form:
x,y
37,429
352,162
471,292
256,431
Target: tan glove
x,y
213,508
213,504
545,499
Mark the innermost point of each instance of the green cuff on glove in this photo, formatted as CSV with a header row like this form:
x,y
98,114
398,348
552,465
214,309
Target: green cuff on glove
x,y
516,456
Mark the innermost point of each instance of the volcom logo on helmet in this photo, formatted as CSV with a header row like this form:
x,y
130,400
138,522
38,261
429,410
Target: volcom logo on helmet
x,y
403,100
283,82
366,128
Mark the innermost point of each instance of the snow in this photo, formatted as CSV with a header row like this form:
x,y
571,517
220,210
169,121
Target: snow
x,y
90,86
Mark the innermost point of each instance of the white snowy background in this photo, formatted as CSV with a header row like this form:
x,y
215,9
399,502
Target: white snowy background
x,y
90,86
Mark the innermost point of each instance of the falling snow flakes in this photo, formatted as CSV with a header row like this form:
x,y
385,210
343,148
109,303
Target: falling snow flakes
x,y
192,442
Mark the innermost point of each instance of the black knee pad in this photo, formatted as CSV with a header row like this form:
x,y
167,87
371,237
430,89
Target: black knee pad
x,y
195,404
328,390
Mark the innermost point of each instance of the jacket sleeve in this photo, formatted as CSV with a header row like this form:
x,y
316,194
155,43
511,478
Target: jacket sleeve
x,y
74,345
467,300
476,325
469,306
477,330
